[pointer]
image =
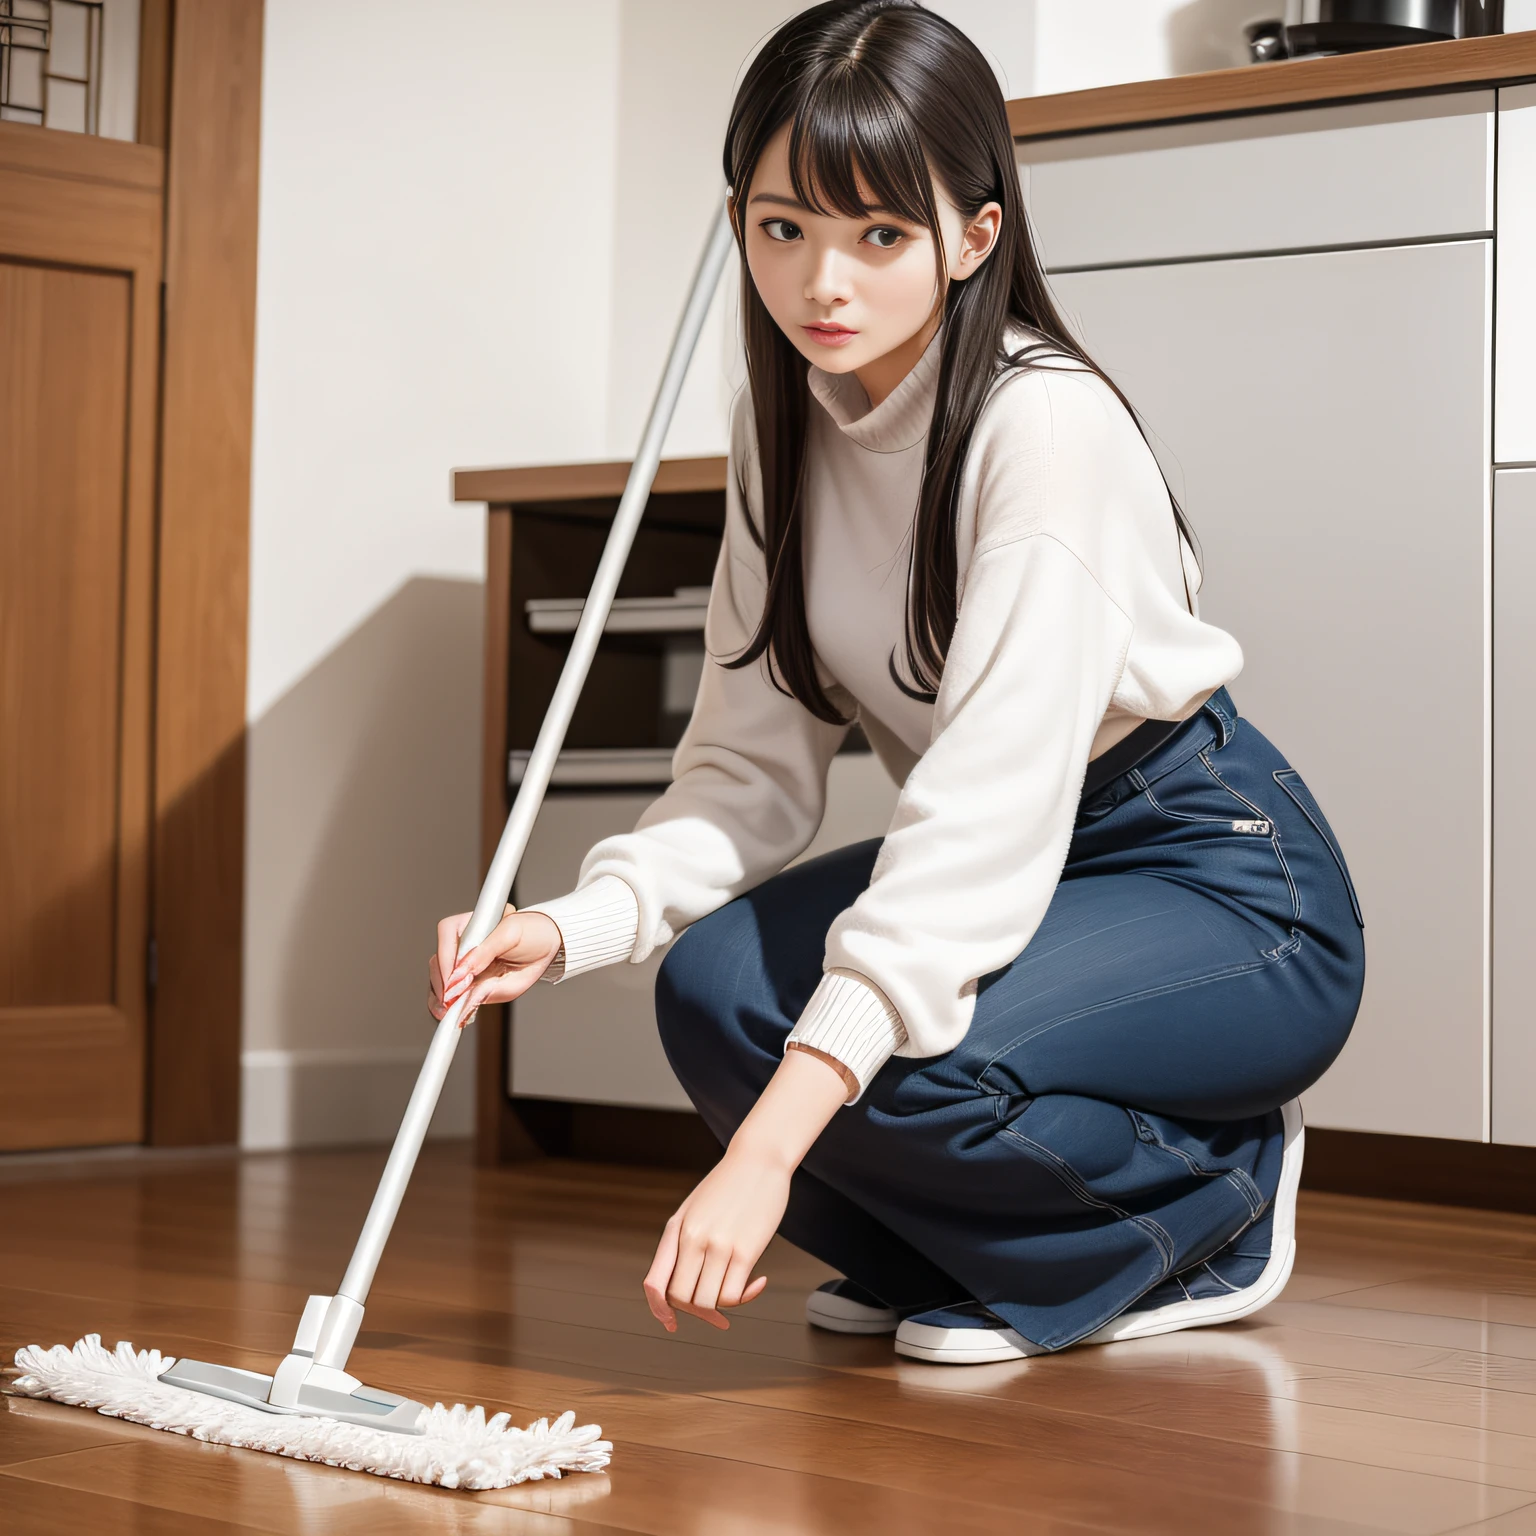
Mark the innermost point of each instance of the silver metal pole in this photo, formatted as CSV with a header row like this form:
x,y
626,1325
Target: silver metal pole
x,y
497,888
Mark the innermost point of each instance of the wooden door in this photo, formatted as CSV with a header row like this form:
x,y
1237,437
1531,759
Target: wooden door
x,y
80,243
1327,420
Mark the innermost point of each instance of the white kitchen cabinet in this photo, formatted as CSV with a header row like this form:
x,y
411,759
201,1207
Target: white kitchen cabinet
x,y
1326,421
1364,174
1514,827
1515,340
593,1038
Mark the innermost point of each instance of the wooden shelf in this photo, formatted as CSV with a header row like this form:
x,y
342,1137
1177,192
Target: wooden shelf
x,y
581,482
1474,61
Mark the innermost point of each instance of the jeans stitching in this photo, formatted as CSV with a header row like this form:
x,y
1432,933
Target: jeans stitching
x,y
1280,776
1252,1195
1162,810
1069,1176
1220,1280
1251,1191
1168,989
1194,1167
1283,951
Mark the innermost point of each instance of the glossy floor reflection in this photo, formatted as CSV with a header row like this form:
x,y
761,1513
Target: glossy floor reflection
x,y
1392,1388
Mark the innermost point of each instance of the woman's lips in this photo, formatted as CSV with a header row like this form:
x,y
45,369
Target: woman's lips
x,y
829,335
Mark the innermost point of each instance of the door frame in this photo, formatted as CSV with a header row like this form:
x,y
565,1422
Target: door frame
x,y
200,101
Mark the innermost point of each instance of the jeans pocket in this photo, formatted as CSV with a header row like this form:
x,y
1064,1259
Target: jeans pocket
x,y
1291,782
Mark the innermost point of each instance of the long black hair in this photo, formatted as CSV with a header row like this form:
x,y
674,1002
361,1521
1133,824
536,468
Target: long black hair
x,y
890,94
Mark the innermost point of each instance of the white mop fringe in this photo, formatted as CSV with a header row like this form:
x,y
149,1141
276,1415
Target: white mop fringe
x,y
460,1448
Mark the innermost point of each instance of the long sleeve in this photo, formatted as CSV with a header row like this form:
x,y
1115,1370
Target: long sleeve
x,y
749,776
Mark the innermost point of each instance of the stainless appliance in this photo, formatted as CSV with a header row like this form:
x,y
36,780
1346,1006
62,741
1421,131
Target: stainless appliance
x,y
1350,26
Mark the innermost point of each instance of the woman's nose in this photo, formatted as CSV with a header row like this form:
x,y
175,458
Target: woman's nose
x,y
828,282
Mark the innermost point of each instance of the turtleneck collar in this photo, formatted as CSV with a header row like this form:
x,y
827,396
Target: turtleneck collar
x,y
899,422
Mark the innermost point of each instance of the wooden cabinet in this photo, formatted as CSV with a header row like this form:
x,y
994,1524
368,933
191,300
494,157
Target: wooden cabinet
x,y
594,1042
1326,422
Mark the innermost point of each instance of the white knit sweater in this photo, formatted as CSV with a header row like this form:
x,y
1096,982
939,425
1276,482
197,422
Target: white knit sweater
x,y
1073,628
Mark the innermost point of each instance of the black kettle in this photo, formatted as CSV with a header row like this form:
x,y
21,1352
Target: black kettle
x,y
1350,26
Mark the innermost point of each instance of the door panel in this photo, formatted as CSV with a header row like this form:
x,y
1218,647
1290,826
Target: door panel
x,y
63,384
79,282
1326,420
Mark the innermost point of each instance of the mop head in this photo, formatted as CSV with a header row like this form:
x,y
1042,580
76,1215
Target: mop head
x,y
460,1447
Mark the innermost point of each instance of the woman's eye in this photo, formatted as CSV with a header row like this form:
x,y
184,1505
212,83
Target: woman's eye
x,y
781,229
884,238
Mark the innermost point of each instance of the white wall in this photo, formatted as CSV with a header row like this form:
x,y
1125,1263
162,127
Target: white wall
x,y
475,239
432,290
1084,43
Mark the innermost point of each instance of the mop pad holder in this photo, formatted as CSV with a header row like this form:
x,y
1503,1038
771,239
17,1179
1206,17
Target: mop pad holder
x,y
312,1379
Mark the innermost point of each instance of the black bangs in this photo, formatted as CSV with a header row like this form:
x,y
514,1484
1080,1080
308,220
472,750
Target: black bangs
x,y
849,128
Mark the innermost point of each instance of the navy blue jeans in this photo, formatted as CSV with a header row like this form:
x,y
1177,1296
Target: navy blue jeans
x,y
1111,1119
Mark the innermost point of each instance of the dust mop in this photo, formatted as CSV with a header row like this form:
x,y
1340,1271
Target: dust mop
x,y
310,1407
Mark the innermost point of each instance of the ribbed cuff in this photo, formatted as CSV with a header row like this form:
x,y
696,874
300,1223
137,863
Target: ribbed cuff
x,y
598,925
851,1022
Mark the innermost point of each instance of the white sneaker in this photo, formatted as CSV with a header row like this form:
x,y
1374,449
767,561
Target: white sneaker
x,y
969,1334
840,1306
964,1334
1207,1311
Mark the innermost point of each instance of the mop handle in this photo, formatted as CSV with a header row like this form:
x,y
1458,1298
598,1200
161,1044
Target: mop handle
x,y
497,889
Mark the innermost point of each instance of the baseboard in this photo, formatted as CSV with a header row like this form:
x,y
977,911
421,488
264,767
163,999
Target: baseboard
x,y
1424,1168
321,1098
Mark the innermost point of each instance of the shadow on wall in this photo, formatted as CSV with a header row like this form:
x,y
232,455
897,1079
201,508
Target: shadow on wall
x,y
362,830
1208,34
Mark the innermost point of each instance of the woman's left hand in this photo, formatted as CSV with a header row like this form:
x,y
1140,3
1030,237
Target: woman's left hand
x,y
711,1245
713,1241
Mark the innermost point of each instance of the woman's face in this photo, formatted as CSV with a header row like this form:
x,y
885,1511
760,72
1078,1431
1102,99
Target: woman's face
x,y
855,295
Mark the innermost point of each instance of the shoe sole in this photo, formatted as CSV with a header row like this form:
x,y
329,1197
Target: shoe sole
x,y
963,1346
947,1346
837,1314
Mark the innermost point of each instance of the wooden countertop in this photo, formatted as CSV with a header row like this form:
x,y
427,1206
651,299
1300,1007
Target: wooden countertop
x,y
1423,67
577,482
1473,61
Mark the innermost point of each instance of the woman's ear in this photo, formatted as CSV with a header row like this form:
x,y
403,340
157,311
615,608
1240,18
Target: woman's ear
x,y
977,242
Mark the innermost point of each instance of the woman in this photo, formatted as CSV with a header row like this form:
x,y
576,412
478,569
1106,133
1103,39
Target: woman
x,y
1023,1070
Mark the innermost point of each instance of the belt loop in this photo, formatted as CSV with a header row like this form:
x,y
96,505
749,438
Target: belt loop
x,y
1224,712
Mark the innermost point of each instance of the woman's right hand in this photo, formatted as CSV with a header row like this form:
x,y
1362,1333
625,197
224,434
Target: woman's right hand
x,y
504,966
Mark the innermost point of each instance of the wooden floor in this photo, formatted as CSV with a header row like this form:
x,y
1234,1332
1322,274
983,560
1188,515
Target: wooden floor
x,y
1393,1388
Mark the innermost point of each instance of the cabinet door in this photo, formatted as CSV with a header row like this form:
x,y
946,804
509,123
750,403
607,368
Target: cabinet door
x,y
1364,174
1326,421
1514,827
1515,349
